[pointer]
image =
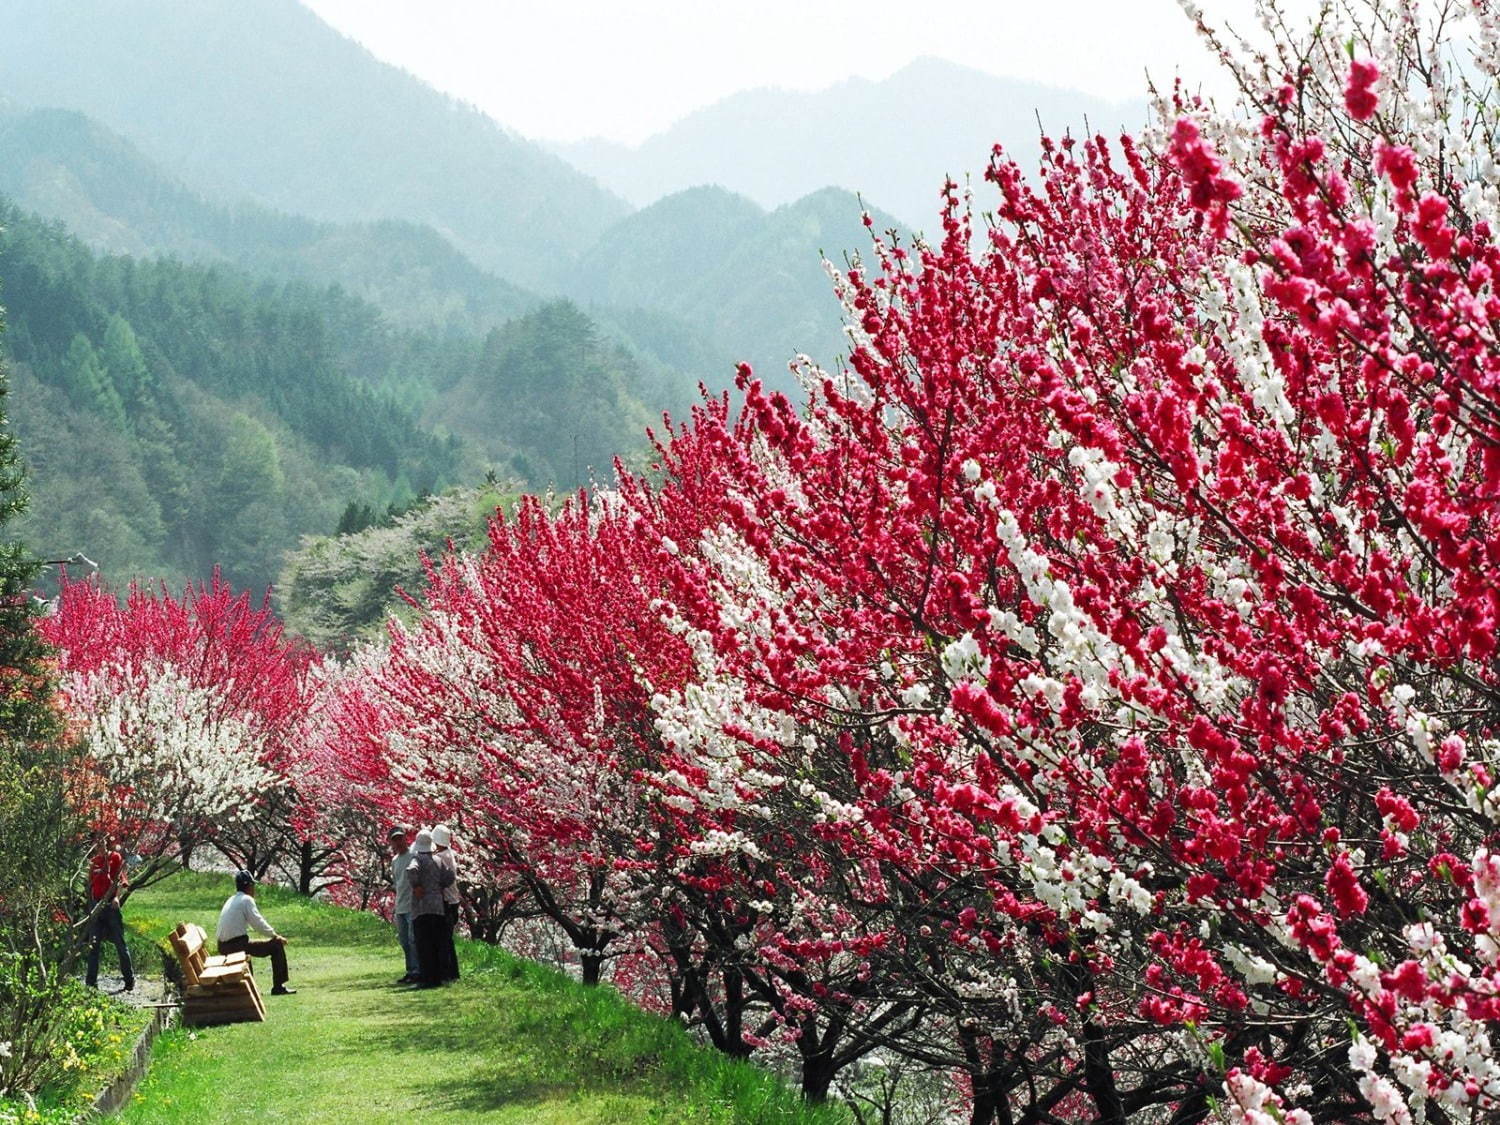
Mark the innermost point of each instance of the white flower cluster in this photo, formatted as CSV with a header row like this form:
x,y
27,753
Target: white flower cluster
x,y
1252,1102
1242,332
696,722
178,750
1083,649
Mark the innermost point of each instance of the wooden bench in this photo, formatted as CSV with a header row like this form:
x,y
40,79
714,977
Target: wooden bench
x,y
214,989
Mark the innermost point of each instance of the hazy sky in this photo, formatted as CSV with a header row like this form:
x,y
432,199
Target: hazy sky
x,y
566,69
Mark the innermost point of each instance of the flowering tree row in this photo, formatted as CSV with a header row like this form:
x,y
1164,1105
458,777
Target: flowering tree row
x,y
1091,689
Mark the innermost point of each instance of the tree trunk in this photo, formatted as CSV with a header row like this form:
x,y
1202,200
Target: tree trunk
x,y
305,868
1099,1076
817,1077
591,962
987,1102
734,1015
818,1064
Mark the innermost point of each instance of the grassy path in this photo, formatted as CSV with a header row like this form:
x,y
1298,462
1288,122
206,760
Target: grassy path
x,y
511,1042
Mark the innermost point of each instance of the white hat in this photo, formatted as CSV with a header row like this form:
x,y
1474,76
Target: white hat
x,y
441,836
424,841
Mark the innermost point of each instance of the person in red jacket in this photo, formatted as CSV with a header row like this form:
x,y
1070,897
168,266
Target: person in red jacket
x,y
106,880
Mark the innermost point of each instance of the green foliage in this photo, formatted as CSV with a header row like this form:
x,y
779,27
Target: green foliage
x,y
75,1043
511,1042
43,1023
550,386
36,826
57,1030
89,384
181,417
338,590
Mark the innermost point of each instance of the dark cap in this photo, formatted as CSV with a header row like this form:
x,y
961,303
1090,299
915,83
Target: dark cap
x,y
243,880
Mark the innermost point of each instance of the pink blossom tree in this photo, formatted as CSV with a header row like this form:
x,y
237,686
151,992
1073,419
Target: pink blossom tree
x,y
190,709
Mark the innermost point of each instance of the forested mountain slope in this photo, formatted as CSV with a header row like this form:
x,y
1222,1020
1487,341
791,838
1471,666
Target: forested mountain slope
x,y
751,280
260,99
66,166
177,417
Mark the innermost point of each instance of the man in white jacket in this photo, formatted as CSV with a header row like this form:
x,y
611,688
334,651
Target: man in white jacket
x,y
239,916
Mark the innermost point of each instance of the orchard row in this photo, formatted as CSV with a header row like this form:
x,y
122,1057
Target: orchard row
x,y
1089,692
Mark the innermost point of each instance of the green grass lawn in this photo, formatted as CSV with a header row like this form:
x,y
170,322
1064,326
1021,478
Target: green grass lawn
x,y
511,1042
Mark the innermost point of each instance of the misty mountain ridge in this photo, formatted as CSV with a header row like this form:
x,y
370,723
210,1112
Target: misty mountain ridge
x,y
264,101
698,255
65,166
751,279
892,140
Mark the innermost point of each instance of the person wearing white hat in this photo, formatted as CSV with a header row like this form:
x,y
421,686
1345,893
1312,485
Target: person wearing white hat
x,y
442,842
427,878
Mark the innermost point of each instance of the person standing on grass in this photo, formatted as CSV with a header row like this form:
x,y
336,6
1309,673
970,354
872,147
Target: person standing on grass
x,y
427,878
106,880
401,857
442,842
239,916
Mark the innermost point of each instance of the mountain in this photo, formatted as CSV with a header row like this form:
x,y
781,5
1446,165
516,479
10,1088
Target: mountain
x,y
175,418
892,140
751,280
551,387
260,100
61,164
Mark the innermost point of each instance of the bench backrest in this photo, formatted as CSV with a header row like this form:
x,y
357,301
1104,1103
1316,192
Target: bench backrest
x,y
188,942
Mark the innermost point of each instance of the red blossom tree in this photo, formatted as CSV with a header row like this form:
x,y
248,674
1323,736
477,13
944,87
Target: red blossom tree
x,y
192,709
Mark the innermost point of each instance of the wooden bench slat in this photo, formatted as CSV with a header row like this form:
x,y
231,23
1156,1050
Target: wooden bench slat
x,y
217,989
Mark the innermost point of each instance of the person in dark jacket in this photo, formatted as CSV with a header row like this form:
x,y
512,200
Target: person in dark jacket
x,y
429,922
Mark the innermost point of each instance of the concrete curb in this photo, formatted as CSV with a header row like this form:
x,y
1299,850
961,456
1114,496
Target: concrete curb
x,y
118,1092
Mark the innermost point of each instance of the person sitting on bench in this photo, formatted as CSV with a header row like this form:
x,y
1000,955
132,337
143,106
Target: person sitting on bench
x,y
239,916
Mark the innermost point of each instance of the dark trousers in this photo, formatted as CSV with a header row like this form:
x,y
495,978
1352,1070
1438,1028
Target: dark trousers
x,y
109,926
450,953
272,949
430,933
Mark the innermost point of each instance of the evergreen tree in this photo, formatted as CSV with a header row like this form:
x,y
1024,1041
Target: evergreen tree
x,y
125,366
41,835
89,384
